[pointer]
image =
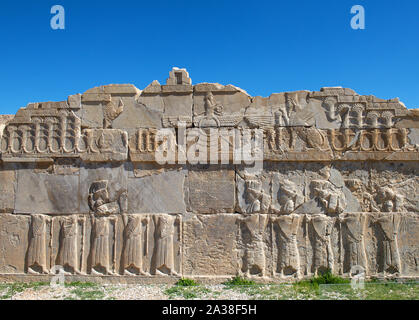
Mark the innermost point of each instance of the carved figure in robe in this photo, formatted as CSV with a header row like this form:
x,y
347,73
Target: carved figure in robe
x,y
320,229
165,245
288,255
100,252
37,251
353,241
258,200
68,254
291,196
254,259
331,198
133,245
389,254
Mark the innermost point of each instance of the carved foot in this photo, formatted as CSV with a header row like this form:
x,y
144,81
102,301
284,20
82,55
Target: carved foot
x,y
32,271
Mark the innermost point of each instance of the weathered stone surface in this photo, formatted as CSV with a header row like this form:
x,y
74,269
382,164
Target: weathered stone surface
x,y
45,193
13,243
7,188
158,193
334,186
210,246
211,191
115,174
109,145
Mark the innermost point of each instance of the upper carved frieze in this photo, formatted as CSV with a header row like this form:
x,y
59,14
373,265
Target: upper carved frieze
x,y
331,124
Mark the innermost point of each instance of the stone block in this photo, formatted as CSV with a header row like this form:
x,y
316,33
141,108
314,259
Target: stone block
x,y
211,191
7,188
210,245
14,232
45,193
157,193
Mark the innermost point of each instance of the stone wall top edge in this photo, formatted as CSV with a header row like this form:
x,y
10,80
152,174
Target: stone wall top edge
x,y
180,82
193,214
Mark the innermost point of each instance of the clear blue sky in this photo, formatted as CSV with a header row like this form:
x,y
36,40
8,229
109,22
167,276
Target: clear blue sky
x,y
260,46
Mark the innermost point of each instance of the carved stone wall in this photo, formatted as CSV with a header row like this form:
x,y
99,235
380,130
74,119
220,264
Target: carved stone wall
x,y
83,185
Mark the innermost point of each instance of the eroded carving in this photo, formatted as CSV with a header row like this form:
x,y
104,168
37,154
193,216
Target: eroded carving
x,y
331,198
164,250
291,196
68,256
111,111
134,244
252,239
37,251
320,228
388,252
288,261
100,202
353,241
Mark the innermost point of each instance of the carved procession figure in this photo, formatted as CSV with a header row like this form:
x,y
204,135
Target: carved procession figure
x,y
320,228
388,256
254,258
103,215
331,198
133,244
164,251
68,253
291,196
100,252
353,241
37,251
258,200
288,255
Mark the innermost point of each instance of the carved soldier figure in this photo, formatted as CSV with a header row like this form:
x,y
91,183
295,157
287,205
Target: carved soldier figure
x,y
254,260
330,197
390,200
164,245
100,253
100,202
388,225
365,198
258,200
67,256
133,245
320,230
37,251
353,241
211,106
288,255
111,111
291,196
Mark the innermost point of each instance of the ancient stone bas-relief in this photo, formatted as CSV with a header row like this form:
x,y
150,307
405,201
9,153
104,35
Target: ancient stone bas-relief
x,y
82,188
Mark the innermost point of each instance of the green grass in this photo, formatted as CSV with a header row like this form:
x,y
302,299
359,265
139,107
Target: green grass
x,y
325,278
372,291
323,287
86,294
187,289
8,290
239,281
185,282
78,284
86,290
